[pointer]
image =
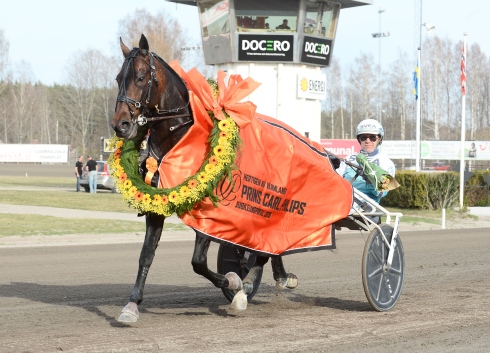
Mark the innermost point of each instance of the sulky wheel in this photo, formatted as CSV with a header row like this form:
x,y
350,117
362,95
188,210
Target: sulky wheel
x,y
382,285
233,259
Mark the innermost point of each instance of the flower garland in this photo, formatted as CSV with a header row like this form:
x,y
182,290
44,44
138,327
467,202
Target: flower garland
x,y
224,142
219,163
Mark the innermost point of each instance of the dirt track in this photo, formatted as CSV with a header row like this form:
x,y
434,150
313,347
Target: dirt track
x,y
66,298
64,293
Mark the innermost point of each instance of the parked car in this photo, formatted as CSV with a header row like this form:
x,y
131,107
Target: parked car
x,y
104,179
438,166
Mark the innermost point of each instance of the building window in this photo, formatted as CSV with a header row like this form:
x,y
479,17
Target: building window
x,y
321,18
270,16
214,17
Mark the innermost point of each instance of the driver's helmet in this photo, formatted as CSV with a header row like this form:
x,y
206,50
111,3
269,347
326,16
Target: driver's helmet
x,y
370,126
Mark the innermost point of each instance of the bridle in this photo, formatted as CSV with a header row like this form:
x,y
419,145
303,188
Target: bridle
x,y
145,115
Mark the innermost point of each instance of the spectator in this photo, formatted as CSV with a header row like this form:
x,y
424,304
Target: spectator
x,y
92,169
78,171
284,25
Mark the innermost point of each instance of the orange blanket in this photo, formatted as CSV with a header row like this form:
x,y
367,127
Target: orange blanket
x,y
285,195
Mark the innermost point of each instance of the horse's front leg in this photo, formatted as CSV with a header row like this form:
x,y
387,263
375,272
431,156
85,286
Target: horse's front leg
x,y
240,300
154,226
283,279
200,266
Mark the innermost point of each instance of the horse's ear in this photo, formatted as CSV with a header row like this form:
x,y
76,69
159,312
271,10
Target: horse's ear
x,y
124,48
144,47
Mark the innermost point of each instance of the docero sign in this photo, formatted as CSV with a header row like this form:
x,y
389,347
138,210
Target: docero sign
x,y
316,51
265,47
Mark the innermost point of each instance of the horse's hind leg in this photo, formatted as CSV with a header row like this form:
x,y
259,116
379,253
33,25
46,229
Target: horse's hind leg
x,y
154,226
249,280
283,279
200,266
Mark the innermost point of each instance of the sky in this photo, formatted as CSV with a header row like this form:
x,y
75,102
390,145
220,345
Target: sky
x,y
45,34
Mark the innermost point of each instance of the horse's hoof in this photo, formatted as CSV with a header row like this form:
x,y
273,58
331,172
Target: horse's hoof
x,y
129,313
234,281
290,282
239,301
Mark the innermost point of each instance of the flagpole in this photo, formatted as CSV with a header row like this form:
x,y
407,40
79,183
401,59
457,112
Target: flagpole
x,y
463,124
417,123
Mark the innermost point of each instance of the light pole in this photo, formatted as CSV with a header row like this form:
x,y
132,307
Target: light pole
x,y
379,35
185,49
418,124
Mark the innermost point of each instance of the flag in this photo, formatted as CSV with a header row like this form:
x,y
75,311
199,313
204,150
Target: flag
x,y
416,76
463,72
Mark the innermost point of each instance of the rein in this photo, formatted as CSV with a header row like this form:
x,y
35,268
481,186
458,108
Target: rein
x,y
145,115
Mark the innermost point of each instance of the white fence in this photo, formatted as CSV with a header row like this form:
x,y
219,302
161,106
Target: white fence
x,y
34,153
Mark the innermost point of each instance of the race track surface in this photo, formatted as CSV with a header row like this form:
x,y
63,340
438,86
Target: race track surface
x,y
66,298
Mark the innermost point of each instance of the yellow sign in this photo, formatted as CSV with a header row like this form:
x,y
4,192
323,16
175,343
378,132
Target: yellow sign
x,y
108,149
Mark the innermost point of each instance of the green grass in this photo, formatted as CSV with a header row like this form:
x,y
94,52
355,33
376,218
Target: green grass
x,y
25,225
101,201
51,192
429,216
34,181
59,192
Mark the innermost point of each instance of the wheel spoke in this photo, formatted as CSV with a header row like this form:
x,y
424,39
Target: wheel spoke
x,y
379,287
376,272
378,259
395,271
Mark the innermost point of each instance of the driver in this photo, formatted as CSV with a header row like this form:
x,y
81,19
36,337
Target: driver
x,y
370,135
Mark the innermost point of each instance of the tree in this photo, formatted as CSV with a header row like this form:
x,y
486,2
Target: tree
x,y
363,82
85,106
165,35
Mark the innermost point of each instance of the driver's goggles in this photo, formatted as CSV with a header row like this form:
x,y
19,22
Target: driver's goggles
x,y
373,138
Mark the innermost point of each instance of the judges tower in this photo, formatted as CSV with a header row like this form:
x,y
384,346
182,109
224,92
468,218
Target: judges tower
x,y
283,44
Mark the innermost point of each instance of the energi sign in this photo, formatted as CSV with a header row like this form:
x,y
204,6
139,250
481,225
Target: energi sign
x,y
312,86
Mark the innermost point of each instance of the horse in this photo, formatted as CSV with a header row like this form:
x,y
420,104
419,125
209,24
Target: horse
x,y
152,94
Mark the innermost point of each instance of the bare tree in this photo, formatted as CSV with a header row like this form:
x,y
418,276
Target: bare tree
x,y
477,77
165,35
24,101
363,82
4,56
398,93
88,73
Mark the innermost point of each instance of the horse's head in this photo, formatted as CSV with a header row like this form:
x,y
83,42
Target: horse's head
x,y
136,80
149,91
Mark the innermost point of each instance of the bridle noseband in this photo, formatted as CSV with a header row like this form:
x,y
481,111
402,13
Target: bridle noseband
x,y
145,114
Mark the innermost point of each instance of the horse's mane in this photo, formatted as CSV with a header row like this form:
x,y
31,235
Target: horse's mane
x,y
176,79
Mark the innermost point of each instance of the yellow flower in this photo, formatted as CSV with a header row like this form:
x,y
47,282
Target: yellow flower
x,y
173,197
209,168
224,125
223,141
146,199
184,190
157,200
203,177
127,184
218,150
132,191
119,144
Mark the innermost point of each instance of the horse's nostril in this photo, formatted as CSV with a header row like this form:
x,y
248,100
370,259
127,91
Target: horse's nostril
x,y
124,126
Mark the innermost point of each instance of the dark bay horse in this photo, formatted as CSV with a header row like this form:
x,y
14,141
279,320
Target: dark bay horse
x,y
151,94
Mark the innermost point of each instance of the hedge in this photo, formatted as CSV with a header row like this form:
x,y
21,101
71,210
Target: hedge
x,y
436,190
